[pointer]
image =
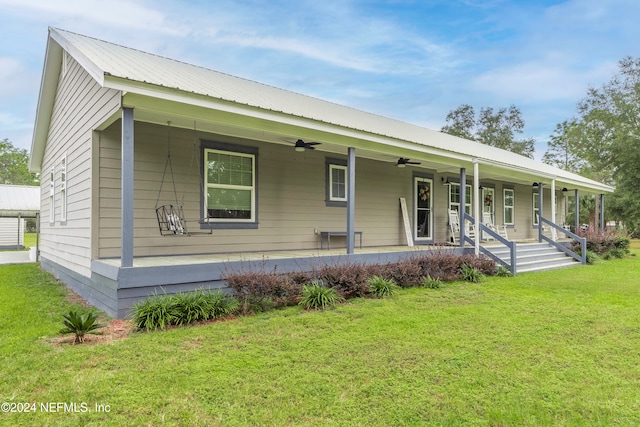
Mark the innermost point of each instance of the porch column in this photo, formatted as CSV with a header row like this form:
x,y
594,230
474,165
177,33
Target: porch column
x,y
126,257
476,206
463,202
554,233
540,209
351,199
577,205
602,223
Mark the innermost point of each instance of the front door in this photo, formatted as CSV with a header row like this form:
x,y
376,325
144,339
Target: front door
x,y
488,210
423,215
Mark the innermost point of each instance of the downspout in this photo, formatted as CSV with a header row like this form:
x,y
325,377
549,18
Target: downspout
x,y
476,206
463,203
351,196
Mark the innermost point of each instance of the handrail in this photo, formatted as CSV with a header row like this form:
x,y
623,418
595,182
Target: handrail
x,y
511,265
583,242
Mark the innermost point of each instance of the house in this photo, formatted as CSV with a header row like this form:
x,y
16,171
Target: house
x,y
129,144
17,202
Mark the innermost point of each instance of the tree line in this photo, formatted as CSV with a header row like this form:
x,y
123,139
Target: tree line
x,y
601,142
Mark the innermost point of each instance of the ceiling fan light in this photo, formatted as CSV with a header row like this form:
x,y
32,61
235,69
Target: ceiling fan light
x,y
400,165
299,148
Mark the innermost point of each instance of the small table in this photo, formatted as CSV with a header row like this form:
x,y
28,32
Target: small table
x,y
328,235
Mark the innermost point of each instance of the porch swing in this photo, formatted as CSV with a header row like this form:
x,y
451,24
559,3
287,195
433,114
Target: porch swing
x,y
171,220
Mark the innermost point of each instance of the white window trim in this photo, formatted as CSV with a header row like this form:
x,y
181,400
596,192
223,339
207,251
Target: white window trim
x,y
535,209
506,207
252,188
333,198
416,226
64,175
468,203
52,195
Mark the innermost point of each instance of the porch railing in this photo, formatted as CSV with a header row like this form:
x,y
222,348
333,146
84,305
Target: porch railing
x,y
511,265
582,257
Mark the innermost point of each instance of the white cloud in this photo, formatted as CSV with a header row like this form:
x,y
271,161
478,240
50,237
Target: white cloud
x,y
115,13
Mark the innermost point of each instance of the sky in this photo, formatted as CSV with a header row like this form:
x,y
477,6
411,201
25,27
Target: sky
x,y
409,60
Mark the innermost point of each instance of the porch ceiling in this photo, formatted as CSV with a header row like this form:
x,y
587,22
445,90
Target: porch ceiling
x,y
282,129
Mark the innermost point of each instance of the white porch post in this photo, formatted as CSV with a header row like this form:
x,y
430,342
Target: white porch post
x,y
126,257
540,209
476,205
351,197
554,233
463,203
577,206
602,223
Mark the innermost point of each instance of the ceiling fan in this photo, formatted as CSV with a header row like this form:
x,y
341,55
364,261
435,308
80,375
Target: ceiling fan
x,y
301,145
402,162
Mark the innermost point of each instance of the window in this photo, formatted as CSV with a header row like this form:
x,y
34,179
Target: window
x,y
509,203
423,203
229,186
63,189
454,198
337,182
52,195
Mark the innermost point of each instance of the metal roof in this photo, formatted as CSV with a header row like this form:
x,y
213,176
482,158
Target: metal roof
x,y
19,200
116,66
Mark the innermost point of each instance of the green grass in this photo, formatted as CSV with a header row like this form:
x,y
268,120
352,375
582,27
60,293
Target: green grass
x,y
554,348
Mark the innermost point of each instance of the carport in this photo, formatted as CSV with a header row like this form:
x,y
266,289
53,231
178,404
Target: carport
x,y
18,202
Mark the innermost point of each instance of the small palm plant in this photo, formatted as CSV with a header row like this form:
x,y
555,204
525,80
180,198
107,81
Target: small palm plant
x,y
80,325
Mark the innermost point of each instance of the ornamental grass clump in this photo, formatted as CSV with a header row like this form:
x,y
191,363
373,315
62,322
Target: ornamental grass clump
x,y
470,274
316,296
431,282
381,287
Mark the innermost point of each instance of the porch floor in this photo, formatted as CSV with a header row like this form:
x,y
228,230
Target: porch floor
x,y
177,260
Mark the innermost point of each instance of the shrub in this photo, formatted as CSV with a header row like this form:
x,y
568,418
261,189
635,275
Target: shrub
x,y
602,243
80,325
220,304
260,291
190,307
349,280
162,311
431,282
406,272
470,274
155,312
503,271
381,287
316,296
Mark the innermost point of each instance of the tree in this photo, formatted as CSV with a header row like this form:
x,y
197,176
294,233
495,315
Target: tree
x,y
498,128
563,148
606,137
14,165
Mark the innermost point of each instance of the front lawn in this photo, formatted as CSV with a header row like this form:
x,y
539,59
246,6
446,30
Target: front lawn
x,y
550,348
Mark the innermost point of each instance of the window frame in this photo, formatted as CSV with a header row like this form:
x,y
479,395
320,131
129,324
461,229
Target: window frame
x,y
332,164
64,176
506,207
52,195
417,178
535,209
468,201
233,150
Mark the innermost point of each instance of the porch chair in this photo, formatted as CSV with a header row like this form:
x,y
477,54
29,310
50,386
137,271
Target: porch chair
x,y
500,229
454,227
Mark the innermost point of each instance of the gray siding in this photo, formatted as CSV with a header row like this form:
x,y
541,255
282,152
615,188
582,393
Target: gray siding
x,y
290,198
80,106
